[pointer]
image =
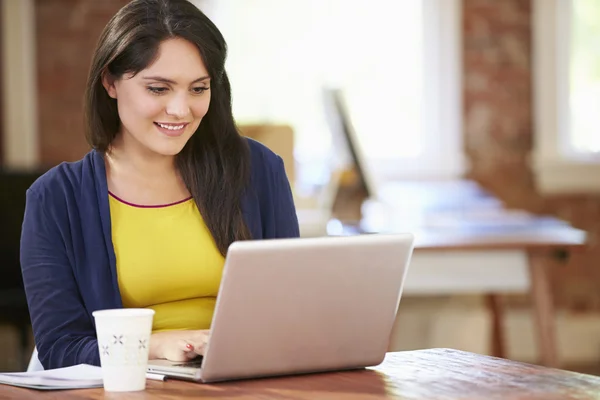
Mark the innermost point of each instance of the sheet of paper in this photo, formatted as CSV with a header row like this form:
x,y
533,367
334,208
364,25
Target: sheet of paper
x,y
76,377
81,376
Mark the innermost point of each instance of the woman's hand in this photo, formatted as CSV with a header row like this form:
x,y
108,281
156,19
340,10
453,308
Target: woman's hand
x,y
178,346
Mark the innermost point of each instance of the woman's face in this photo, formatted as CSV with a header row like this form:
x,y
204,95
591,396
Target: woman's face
x,y
161,107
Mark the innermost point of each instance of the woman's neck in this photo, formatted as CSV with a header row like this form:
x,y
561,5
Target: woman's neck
x,y
142,163
141,176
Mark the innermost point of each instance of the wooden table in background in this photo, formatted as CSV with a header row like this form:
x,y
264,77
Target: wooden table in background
x,y
543,248
441,259
411,375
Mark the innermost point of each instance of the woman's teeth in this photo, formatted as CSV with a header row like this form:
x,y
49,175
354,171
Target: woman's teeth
x,y
171,127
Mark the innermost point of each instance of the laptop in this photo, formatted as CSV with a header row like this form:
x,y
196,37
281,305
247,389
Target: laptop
x,y
299,306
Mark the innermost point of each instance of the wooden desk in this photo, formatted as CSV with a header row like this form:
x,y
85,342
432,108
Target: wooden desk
x,y
543,249
424,374
495,251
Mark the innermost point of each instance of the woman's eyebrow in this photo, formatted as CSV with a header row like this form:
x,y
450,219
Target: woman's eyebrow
x,y
167,80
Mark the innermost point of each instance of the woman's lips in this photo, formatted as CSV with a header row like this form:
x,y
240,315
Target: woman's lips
x,y
171,129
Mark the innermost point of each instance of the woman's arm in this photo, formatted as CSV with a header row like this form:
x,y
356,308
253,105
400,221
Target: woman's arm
x,y
63,331
286,219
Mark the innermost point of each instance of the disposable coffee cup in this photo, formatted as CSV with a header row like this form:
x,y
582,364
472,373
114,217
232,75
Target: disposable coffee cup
x,y
124,343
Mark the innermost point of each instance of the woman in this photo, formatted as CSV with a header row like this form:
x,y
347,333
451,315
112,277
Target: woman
x,y
146,217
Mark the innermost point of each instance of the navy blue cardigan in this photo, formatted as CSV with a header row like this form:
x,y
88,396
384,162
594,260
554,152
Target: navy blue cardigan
x,y
67,256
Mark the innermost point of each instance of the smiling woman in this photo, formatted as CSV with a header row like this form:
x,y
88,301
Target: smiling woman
x,y
145,219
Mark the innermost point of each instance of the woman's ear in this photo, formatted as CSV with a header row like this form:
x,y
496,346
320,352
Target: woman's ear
x,y
109,84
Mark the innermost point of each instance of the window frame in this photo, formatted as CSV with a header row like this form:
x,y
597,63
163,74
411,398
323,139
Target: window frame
x,y
558,170
19,91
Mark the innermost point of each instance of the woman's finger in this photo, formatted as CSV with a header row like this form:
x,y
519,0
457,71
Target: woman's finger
x,y
199,344
185,346
199,348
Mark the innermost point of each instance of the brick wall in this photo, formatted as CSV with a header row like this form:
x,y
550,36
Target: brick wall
x,y
499,133
67,31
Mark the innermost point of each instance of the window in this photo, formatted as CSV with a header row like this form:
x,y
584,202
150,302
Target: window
x,y
566,50
584,78
398,63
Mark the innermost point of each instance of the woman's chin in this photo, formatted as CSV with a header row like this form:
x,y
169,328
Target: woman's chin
x,y
168,150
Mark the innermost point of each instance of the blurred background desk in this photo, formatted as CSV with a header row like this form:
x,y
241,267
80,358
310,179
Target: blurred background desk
x,y
490,260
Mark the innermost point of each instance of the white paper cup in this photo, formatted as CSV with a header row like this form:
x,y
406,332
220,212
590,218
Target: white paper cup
x,y
123,343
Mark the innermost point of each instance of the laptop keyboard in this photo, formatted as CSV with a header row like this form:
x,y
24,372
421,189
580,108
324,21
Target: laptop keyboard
x,y
195,363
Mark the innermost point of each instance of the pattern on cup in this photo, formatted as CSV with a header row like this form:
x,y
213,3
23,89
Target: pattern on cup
x,y
123,350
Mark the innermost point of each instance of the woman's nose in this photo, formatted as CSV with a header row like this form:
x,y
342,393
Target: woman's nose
x,y
178,107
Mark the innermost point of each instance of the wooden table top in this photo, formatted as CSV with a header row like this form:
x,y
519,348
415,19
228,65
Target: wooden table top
x,y
422,374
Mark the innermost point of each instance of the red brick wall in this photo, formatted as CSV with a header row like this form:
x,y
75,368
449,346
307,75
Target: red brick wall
x,y
67,31
499,133
497,93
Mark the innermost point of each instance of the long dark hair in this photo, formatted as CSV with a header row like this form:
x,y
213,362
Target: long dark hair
x,y
214,164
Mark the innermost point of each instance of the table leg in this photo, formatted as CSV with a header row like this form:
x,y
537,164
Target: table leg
x,y
543,307
496,309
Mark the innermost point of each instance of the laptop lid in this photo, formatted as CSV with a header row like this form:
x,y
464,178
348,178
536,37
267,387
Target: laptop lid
x,y
290,306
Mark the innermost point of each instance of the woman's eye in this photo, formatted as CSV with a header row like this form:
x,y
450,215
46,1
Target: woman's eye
x,y
199,90
157,90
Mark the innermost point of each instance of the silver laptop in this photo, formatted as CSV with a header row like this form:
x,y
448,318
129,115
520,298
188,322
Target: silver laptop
x,y
296,306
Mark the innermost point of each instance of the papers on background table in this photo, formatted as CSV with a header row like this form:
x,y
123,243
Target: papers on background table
x,y
78,377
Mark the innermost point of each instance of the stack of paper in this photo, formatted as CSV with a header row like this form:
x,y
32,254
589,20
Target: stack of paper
x,y
78,377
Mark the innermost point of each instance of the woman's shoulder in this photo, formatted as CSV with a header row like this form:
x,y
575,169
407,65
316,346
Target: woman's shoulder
x,y
66,178
273,193
267,166
268,173
262,157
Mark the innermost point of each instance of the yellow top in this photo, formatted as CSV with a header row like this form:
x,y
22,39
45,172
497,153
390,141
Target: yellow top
x,y
167,261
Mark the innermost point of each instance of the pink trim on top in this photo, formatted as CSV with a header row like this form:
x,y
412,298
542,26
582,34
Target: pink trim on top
x,y
145,206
